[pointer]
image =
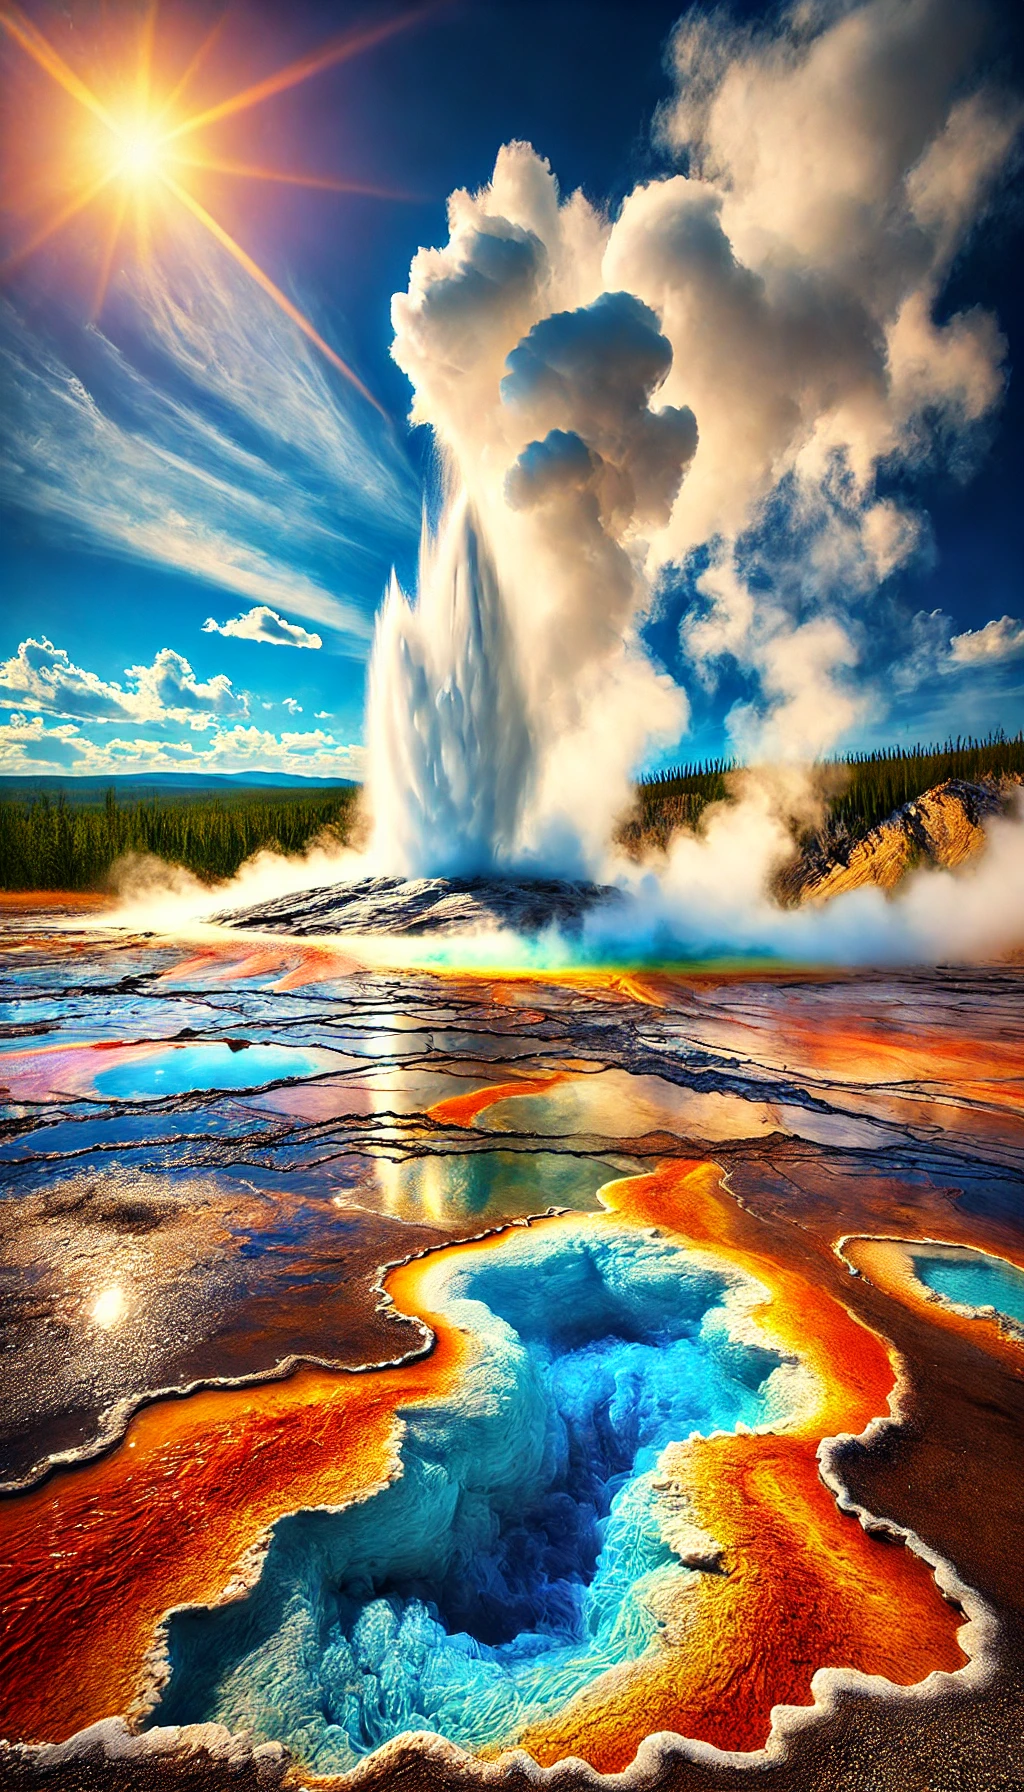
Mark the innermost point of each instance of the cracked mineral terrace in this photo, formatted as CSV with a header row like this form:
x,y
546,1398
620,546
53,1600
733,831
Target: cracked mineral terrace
x,y
540,1360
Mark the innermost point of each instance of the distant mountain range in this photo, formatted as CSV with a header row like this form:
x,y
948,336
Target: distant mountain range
x,y
142,784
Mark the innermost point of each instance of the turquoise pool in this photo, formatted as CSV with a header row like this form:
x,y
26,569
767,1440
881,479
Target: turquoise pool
x,y
975,1281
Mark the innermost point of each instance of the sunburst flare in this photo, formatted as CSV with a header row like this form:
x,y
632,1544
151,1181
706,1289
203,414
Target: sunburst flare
x,y
141,147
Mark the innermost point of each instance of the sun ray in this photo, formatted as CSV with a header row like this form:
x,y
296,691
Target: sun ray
x,y
142,232
263,280
339,49
103,280
82,198
35,45
168,104
144,72
252,171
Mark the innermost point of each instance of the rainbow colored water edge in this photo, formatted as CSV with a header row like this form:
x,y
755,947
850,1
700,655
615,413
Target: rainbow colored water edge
x,y
483,1356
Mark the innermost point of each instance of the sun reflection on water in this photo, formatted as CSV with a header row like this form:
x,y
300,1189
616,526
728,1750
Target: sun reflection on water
x,y
109,1307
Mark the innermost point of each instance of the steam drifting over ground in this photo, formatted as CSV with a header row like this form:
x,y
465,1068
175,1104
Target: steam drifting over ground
x,y
711,898
708,899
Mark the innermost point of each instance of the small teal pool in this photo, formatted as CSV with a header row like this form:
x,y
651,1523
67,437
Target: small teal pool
x,y
180,1069
975,1281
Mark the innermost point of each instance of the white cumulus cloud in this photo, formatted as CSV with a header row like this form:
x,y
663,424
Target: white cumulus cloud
x,y
1000,639
43,677
31,745
263,624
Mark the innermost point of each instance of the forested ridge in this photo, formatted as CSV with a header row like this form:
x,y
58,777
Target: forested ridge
x,y
60,841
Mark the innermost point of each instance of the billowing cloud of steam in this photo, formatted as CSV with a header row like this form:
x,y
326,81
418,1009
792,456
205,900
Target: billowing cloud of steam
x,y
836,166
544,392
705,387
147,892
711,898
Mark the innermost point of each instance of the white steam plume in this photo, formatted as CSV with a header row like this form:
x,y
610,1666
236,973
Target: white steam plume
x,y
778,298
544,394
837,162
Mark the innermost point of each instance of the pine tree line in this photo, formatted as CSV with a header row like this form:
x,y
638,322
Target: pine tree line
x,y
58,845
54,844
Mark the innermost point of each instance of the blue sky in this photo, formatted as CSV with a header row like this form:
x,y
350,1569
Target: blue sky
x,y
200,512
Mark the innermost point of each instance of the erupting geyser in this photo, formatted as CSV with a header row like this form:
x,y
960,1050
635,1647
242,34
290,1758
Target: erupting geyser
x,y
563,360
510,705
555,355
449,739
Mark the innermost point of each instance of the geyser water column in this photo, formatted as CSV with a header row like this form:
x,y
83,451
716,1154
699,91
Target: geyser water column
x,y
451,760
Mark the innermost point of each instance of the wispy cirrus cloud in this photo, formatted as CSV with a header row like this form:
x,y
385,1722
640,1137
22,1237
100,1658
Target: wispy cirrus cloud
x,y
199,430
263,624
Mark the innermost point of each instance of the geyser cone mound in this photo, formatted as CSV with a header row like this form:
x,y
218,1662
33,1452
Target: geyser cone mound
x,y
422,905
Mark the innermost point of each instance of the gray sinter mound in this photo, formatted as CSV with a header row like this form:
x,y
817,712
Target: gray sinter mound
x,y
426,905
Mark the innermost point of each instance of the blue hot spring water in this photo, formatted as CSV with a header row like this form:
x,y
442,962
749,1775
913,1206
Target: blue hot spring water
x,y
975,1282
519,1554
180,1069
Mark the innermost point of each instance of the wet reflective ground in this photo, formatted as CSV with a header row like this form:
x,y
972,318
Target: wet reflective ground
x,y
210,1151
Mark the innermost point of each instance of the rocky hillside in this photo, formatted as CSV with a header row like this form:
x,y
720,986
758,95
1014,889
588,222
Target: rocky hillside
x,y
943,827
862,795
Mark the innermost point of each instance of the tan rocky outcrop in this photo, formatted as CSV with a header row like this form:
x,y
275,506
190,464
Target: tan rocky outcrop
x,y
944,827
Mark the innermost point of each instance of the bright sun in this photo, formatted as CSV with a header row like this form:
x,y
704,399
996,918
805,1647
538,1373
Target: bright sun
x,y
148,156
138,152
